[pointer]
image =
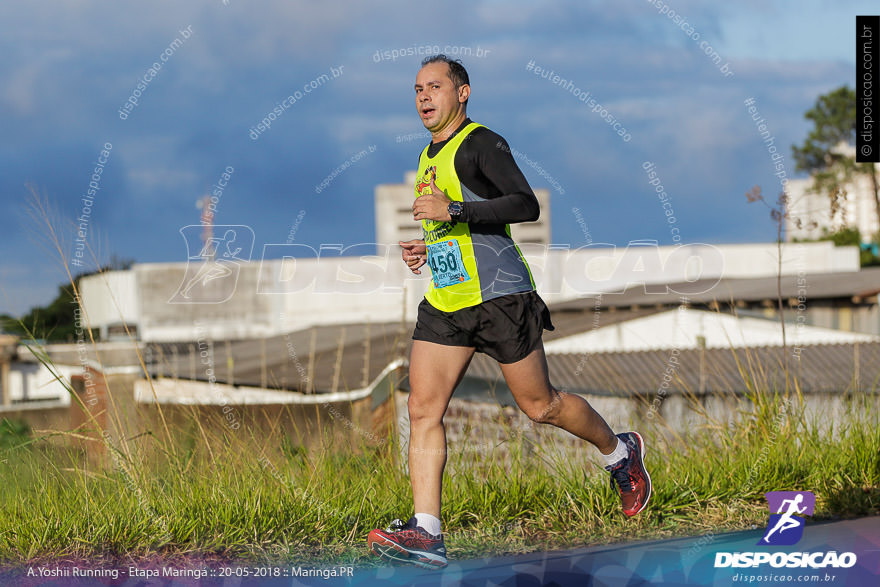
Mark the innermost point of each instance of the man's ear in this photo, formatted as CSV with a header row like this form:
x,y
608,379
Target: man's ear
x,y
464,93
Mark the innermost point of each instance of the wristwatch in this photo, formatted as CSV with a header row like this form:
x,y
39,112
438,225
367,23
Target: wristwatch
x,y
454,209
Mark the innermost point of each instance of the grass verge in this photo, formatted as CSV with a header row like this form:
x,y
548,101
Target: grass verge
x,y
238,504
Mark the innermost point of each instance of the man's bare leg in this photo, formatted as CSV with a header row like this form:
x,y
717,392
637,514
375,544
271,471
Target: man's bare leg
x,y
624,453
529,383
434,372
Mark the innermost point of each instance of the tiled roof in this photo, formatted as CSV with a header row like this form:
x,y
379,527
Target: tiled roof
x,y
819,368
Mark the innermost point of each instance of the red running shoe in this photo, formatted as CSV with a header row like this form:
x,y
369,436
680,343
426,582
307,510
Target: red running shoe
x,y
633,480
408,543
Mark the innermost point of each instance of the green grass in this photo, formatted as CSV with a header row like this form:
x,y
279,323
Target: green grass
x,y
230,502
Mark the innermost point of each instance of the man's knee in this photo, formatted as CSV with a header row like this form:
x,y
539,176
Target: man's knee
x,y
423,411
538,413
544,412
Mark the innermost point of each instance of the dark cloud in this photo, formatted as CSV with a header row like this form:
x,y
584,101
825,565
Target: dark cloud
x,y
68,69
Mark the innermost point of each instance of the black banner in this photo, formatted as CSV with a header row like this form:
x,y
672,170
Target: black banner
x,y
867,103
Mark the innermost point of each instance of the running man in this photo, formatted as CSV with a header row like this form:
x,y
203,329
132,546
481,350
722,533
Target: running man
x,y
481,298
787,520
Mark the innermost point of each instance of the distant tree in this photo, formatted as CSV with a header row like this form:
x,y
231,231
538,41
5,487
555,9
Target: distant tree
x,y
117,263
8,324
850,237
843,237
56,322
834,125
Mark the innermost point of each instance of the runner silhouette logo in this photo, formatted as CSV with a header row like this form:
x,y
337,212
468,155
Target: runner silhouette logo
x,y
213,262
787,511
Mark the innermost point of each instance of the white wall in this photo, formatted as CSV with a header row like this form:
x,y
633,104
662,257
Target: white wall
x,y
858,208
680,328
569,274
276,296
33,381
110,298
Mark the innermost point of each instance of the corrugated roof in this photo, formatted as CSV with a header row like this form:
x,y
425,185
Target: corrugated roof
x,y
819,286
568,323
289,359
367,348
827,367
287,356
820,368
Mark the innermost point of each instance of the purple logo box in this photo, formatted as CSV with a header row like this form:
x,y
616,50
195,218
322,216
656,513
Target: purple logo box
x,y
775,500
787,511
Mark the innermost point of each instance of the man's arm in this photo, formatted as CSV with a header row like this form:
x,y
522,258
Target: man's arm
x,y
488,169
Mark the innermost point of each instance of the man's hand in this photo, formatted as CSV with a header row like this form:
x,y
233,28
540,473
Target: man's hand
x,y
432,206
414,254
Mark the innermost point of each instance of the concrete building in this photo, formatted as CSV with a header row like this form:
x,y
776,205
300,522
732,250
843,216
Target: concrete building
x,y
290,287
8,344
106,397
810,213
272,296
616,349
685,328
320,337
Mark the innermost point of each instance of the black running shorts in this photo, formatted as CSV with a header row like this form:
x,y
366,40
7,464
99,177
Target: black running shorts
x,y
507,328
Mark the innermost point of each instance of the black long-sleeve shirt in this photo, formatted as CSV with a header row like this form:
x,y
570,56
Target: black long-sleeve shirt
x,y
485,165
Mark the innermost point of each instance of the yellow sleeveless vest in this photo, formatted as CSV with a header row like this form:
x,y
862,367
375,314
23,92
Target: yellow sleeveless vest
x,y
452,257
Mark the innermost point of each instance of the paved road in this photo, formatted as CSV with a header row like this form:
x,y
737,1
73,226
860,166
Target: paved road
x,y
681,561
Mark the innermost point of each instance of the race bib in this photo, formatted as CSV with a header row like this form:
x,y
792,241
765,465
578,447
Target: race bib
x,y
447,267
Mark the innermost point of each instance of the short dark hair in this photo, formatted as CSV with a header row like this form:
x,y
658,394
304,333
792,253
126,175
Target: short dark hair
x,y
457,73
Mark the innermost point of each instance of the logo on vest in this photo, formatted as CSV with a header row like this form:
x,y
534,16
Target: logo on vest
x,y
423,184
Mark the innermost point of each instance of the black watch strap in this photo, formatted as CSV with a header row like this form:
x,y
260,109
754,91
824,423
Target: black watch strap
x,y
454,209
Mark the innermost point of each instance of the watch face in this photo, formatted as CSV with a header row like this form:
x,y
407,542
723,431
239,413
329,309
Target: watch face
x,y
454,208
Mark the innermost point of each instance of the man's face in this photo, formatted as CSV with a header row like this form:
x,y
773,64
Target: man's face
x,y
437,100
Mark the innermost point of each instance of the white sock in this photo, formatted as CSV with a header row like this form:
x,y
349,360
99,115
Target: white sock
x,y
617,454
428,523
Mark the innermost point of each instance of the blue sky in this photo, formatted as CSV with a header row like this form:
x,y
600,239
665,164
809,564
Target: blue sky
x,y
68,68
